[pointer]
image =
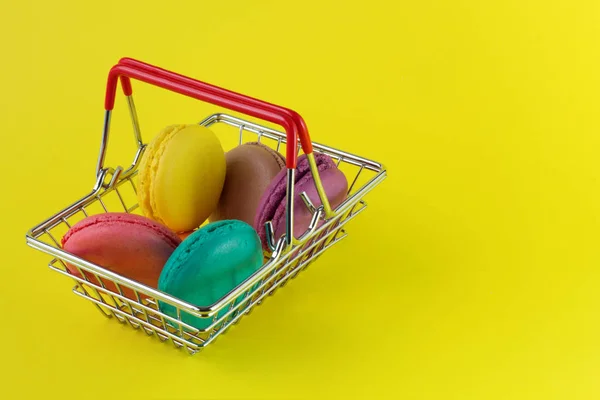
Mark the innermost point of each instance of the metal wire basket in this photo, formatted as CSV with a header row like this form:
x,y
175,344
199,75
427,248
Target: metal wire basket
x,y
115,191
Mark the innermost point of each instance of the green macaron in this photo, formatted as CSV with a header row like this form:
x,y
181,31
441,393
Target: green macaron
x,y
208,264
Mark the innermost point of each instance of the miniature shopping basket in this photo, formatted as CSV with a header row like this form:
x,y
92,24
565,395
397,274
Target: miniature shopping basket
x,y
115,188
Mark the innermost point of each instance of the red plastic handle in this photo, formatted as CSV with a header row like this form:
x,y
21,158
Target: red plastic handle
x,y
290,120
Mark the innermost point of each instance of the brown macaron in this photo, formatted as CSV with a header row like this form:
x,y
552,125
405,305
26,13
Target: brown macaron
x,y
250,169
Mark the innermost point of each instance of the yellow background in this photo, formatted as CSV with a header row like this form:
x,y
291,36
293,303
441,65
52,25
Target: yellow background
x,y
476,268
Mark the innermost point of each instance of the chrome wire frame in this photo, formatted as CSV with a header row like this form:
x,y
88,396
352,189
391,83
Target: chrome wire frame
x,y
142,311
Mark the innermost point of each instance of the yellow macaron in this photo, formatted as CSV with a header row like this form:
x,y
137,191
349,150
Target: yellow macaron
x,y
181,176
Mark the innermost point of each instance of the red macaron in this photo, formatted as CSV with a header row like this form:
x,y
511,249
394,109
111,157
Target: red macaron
x,y
130,245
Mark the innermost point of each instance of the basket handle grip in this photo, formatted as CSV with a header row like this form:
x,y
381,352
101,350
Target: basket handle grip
x,y
291,121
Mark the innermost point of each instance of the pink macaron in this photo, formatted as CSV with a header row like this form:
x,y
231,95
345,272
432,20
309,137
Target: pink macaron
x,y
130,245
272,204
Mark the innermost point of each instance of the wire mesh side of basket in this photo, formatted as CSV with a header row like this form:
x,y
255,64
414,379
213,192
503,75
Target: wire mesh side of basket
x,y
132,303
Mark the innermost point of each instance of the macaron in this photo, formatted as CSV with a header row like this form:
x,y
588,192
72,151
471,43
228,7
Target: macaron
x,y
181,175
250,169
208,264
272,205
130,245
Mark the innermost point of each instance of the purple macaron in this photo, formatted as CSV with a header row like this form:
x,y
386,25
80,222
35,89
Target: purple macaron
x,y
272,203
